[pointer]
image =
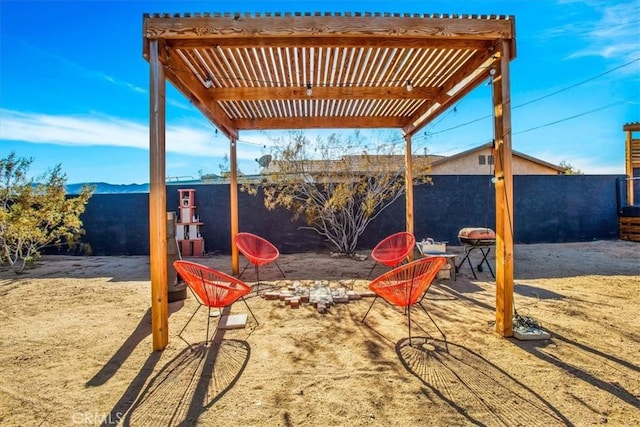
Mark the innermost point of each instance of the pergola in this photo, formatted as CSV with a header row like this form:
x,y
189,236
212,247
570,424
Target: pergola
x,y
326,70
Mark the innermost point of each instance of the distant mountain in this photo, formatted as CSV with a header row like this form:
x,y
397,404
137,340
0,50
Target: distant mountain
x,y
104,188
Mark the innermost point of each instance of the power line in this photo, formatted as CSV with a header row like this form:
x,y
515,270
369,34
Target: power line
x,y
569,118
541,97
577,84
545,124
462,124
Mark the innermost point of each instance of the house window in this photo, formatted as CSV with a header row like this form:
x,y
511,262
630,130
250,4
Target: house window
x,y
485,160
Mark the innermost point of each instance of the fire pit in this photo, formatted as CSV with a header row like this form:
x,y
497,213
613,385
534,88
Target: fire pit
x,y
476,238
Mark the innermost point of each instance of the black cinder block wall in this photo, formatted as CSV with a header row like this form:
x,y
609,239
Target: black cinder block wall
x,y
547,209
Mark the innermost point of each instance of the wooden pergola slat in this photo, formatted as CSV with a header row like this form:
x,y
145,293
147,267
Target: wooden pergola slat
x,y
327,70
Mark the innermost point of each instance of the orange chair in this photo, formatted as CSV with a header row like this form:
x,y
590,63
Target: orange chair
x,y
406,285
211,288
258,252
392,250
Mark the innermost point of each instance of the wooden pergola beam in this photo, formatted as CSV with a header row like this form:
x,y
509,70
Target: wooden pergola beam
x,y
192,89
320,93
320,41
233,201
314,122
480,65
631,157
408,177
231,26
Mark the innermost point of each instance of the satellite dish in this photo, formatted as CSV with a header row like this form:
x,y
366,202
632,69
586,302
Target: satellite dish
x,y
264,160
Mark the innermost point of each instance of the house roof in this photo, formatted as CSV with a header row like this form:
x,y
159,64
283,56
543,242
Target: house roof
x,y
443,160
359,163
325,70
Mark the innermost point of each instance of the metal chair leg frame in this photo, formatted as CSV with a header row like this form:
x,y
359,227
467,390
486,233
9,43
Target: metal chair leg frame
x,y
408,314
371,271
409,322
436,325
367,313
277,265
209,321
258,275
242,272
187,324
258,280
250,311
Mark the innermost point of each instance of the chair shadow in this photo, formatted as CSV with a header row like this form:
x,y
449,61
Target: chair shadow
x,y
475,388
190,384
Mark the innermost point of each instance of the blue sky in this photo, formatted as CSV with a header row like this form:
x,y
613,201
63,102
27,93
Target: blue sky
x,y
74,86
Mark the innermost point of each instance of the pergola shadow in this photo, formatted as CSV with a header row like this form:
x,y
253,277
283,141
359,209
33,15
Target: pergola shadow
x,y
482,393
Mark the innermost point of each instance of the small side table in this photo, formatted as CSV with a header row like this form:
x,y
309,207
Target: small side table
x,y
450,258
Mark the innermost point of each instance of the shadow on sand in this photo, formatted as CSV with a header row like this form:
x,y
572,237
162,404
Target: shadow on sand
x,y
475,388
142,331
603,371
182,389
190,384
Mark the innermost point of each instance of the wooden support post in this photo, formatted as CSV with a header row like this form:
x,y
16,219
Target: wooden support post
x,y
233,201
628,157
157,203
504,193
408,176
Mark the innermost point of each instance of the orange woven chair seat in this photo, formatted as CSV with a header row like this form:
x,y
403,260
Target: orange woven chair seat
x,y
393,250
212,288
407,284
397,292
257,250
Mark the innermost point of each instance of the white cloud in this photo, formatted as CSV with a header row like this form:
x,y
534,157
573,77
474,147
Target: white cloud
x,y
123,83
103,130
615,34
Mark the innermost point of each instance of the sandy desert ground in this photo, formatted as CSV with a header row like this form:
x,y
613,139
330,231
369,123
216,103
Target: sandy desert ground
x,y
76,348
